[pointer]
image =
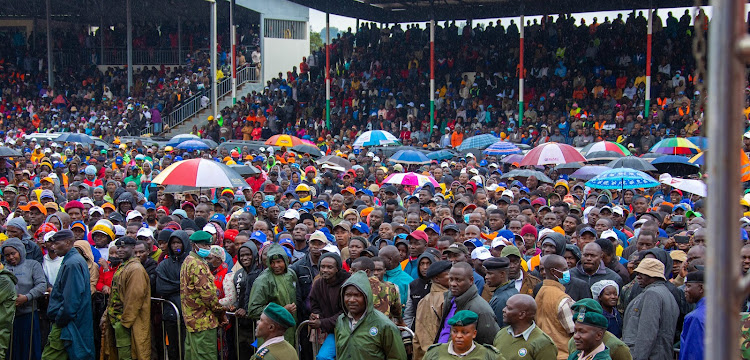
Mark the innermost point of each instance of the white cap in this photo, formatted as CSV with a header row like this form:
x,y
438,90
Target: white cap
x,y
480,253
444,164
639,222
609,234
133,214
48,236
474,171
291,214
370,154
86,200
210,229
376,159
331,248
618,210
144,231
470,155
500,241
508,193
119,230
492,187
96,209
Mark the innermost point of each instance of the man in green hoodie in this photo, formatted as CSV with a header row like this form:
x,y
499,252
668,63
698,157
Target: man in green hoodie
x,y
361,332
7,308
277,283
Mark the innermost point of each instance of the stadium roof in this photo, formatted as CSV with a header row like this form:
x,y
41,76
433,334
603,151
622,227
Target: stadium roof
x,y
400,11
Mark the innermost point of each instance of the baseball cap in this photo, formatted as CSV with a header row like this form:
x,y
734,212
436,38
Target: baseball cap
x,y
144,231
291,214
480,253
133,214
457,248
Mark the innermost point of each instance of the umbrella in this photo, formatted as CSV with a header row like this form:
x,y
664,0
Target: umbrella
x,y
604,146
568,168
675,146
284,140
631,162
9,152
245,170
478,142
622,178
201,173
552,153
192,145
75,138
512,158
375,138
525,173
307,149
699,141
410,157
696,187
410,178
651,156
502,148
176,189
699,159
588,172
441,155
603,156
675,165
388,151
335,160
180,138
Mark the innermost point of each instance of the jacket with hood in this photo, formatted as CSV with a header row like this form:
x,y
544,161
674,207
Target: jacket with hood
x,y
306,272
374,336
33,252
31,281
602,273
470,300
660,254
8,296
269,287
245,277
418,289
325,299
428,313
168,275
84,248
125,197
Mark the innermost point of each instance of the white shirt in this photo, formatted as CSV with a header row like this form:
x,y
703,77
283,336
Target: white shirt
x,y
51,268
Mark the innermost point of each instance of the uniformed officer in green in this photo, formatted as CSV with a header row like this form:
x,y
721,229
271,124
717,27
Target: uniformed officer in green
x,y
273,323
591,325
462,345
522,339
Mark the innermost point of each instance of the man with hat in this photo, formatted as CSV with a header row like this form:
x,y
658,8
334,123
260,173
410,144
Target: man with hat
x,y
429,307
273,323
462,345
590,327
69,307
650,318
201,310
693,331
496,277
522,339
417,244
127,325
523,281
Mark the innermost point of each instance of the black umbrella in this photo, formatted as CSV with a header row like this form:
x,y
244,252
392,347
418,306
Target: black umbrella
x,y
335,160
675,165
307,149
525,173
9,152
602,157
245,170
632,162
568,168
75,138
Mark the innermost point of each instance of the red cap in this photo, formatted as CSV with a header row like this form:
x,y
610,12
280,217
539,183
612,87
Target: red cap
x,y
230,234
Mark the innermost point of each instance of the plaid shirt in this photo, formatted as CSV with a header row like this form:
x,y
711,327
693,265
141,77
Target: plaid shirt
x,y
565,314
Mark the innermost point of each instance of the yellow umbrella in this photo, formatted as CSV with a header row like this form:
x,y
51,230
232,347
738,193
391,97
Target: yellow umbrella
x,y
284,140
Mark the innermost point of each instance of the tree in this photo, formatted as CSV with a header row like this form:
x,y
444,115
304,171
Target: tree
x,y
316,42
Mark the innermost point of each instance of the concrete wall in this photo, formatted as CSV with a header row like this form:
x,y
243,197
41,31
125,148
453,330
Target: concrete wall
x,y
282,54
277,9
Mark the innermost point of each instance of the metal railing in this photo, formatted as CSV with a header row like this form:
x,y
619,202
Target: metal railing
x,y
193,104
119,56
178,317
315,345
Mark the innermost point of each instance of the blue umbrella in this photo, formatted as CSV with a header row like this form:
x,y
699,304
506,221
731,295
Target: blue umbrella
x,y
478,142
441,155
375,138
192,145
410,157
622,178
180,138
502,148
675,165
75,138
699,141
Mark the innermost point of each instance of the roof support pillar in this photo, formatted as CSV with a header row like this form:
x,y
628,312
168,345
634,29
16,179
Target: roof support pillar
x,y
520,71
50,73
328,71
214,80
129,19
647,106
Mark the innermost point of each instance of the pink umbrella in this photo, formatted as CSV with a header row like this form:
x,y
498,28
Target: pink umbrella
x,y
552,153
410,179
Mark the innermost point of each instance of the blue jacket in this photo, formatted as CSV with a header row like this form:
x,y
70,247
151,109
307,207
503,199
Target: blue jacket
x,y
691,339
70,307
401,279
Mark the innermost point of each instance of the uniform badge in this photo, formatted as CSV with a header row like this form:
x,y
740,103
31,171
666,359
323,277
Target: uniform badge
x,y
373,331
522,352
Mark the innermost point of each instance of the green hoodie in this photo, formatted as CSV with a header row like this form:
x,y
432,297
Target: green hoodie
x,y
269,287
8,295
374,336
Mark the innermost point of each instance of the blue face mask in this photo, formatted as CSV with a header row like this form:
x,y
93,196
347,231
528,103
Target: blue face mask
x,y
565,277
205,252
466,218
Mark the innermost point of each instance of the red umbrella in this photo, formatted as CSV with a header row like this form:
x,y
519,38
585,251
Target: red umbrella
x,y
201,173
552,153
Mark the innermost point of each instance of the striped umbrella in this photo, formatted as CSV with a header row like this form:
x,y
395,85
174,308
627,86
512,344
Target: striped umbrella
x,y
410,157
502,148
675,146
478,142
410,178
604,146
552,153
375,138
201,173
284,140
622,178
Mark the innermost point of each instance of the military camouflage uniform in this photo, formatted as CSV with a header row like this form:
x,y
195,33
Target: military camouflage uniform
x,y
745,337
200,305
386,298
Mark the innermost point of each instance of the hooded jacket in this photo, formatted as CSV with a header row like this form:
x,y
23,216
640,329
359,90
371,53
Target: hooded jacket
x,y
168,275
325,299
418,289
33,252
84,248
428,313
125,197
30,279
269,287
470,300
245,277
374,336
306,272
8,296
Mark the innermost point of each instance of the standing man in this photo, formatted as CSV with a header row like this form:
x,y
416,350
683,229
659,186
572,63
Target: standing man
x,y
555,316
522,338
277,283
429,308
202,312
496,277
362,332
462,345
273,323
72,332
591,325
693,331
650,319
129,308
393,271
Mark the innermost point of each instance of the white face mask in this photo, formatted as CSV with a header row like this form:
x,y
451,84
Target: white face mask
x,y
636,232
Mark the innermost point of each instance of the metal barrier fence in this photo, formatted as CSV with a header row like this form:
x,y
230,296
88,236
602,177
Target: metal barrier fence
x,y
193,104
164,328
315,345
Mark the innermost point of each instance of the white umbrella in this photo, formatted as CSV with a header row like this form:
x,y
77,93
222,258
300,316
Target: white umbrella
x,y
696,187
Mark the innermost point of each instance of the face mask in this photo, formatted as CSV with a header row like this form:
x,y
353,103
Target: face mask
x,y
565,277
466,218
636,233
305,199
114,261
205,252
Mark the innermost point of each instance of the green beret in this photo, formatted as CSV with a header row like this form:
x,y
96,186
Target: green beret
x,y
510,250
279,315
587,305
463,318
201,237
589,312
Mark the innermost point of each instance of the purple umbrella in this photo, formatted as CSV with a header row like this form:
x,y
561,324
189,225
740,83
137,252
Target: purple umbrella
x,y
512,158
588,172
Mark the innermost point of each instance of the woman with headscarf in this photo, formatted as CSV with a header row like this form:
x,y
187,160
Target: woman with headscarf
x,y
607,292
26,343
84,248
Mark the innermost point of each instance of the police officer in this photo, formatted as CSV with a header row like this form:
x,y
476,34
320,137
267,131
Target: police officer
x,y
462,345
273,323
